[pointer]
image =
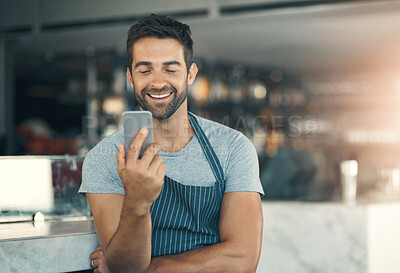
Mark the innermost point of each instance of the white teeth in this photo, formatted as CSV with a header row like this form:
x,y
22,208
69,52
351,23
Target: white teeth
x,y
160,96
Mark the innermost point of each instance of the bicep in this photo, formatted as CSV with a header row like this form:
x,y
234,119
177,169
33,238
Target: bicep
x,y
242,170
106,210
241,221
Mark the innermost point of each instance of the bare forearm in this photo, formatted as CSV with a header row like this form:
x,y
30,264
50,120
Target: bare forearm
x,y
222,257
130,248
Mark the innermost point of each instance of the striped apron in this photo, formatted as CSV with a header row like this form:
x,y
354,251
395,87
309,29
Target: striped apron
x,y
186,217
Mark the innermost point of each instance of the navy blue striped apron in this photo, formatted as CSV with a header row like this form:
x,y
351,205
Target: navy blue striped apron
x,y
186,217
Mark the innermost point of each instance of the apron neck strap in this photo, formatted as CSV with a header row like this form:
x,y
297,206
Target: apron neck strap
x,y
207,148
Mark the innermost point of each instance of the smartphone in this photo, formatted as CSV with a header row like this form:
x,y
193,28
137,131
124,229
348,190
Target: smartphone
x,y
133,122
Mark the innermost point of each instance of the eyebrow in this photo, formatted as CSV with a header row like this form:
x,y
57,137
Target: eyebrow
x,y
165,63
142,63
172,63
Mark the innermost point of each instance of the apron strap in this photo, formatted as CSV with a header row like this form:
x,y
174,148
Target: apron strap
x,y
207,148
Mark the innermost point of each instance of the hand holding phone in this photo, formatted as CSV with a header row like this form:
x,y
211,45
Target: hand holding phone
x,y
143,173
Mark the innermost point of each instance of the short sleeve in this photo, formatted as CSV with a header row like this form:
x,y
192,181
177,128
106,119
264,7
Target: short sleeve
x,y
242,169
99,170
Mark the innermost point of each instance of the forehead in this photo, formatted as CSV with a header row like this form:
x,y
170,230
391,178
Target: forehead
x,y
155,50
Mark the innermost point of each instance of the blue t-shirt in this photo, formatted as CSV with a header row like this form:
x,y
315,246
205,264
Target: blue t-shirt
x,y
189,166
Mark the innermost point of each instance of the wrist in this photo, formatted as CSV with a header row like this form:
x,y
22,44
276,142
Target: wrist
x,y
141,210
136,207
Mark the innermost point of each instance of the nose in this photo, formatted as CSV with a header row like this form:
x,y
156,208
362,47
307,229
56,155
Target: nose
x,y
158,80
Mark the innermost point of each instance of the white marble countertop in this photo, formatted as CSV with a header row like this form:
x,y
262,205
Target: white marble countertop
x,y
298,237
31,230
330,237
57,246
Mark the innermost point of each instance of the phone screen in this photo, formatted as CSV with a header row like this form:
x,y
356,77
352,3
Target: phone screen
x,y
133,122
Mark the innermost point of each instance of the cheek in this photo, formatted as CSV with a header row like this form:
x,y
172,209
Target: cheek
x,y
139,84
181,82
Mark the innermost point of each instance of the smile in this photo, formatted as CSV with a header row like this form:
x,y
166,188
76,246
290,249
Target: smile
x,y
154,96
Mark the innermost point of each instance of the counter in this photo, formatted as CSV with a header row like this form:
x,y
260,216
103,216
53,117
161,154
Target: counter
x,y
58,246
298,237
330,237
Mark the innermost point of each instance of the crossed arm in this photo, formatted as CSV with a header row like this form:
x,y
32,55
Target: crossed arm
x,y
126,245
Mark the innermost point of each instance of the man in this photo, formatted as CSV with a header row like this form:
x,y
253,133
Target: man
x,y
191,203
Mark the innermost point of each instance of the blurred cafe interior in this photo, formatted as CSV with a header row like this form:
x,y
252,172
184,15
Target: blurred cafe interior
x,y
315,85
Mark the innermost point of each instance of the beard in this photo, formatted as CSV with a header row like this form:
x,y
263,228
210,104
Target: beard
x,y
161,111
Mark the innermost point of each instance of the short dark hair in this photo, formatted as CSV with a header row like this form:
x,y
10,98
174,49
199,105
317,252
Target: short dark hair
x,y
160,26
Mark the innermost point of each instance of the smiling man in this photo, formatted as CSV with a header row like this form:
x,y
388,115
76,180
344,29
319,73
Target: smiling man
x,y
192,202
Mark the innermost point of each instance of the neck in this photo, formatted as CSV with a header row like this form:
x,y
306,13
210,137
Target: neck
x,y
174,133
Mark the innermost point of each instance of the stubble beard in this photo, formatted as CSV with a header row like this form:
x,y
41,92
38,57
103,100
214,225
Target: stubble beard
x,y
162,111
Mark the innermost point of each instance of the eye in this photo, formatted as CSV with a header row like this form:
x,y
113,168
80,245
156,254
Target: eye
x,y
170,71
144,72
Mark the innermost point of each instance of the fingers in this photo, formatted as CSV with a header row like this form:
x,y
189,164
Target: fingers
x,y
136,146
98,262
155,163
93,263
161,170
94,255
120,158
149,155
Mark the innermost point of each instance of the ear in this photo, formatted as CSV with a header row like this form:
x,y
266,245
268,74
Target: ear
x,y
129,77
192,73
